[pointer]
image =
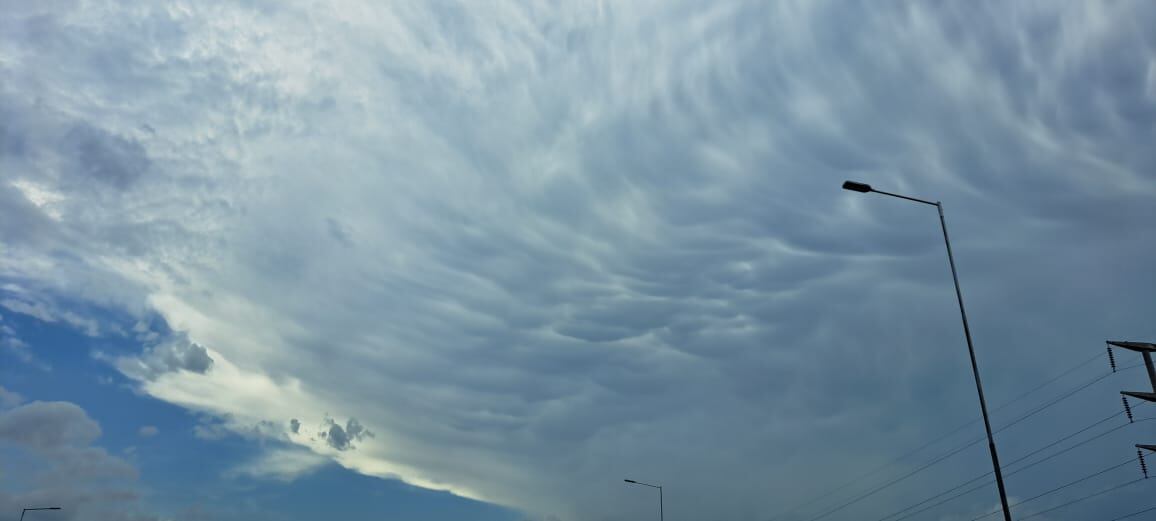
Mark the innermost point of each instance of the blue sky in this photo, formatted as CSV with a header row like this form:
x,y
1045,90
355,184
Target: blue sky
x,y
180,470
483,261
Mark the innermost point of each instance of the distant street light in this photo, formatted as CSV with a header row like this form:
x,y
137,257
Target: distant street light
x,y
37,508
659,487
865,188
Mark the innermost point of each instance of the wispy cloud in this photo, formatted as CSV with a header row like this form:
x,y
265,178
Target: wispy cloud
x,y
535,248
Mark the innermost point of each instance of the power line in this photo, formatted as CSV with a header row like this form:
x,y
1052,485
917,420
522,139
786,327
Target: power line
x,y
1084,498
988,473
1041,408
960,448
1061,487
1066,438
877,470
1016,471
950,499
1045,384
939,439
941,494
1012,473
892,482
1133,514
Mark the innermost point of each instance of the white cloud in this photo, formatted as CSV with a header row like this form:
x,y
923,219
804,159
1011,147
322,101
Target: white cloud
x,y
148,431
13,345
535,249
284,464
46,313
42,198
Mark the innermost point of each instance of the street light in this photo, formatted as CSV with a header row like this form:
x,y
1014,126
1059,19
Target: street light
x,y
37,508
865,188
659,487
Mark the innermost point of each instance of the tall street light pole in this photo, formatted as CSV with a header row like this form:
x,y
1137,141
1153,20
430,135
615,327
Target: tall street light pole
x,y
865,188
22,512
659,487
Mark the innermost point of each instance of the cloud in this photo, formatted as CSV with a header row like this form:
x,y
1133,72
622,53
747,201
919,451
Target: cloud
x,y
342,438
535,249
9,399
174,354
148,431
52,448
46,425
13,345
46,313
283,464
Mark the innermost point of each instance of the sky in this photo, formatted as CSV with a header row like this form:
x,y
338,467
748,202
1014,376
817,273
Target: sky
x,y
484,260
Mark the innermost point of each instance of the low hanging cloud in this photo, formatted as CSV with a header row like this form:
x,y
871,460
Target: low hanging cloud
x,y
536,250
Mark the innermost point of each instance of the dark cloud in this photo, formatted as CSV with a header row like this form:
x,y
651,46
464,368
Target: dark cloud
x,y
85,156
104,157
175,354
343,438
294,426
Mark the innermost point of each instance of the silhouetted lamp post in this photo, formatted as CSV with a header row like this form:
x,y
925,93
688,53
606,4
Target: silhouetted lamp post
x,y
865,188
22,512
659,487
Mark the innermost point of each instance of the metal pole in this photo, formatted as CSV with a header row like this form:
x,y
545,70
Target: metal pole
x,y
1151,369
975,371
660,503
22,514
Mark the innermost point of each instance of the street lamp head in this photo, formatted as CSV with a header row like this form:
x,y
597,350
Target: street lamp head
x,y
856,187
630,481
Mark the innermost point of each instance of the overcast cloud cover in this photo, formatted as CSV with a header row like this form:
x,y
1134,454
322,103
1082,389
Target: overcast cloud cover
x,y
522,250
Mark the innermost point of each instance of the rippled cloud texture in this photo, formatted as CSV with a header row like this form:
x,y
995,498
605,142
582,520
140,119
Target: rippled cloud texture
x,y
522,250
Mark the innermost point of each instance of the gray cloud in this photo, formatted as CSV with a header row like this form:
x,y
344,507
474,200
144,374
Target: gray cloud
x,y
9,399
594,241
52,448
174,354
48,425
294,426
104,157
343,438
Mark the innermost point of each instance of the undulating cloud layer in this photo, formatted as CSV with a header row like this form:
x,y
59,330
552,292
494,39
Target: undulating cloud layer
x,y
523,250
